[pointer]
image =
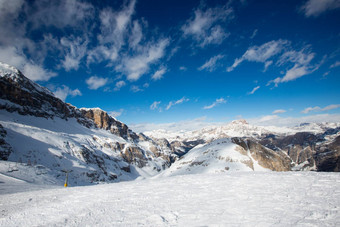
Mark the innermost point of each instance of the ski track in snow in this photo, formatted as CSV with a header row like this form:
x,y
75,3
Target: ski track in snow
x,y
229,199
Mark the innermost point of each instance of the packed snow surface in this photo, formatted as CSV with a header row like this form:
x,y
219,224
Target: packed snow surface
x,y
228,199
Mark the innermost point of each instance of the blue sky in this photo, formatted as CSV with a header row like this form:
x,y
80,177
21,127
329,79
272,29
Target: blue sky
x,y
151,62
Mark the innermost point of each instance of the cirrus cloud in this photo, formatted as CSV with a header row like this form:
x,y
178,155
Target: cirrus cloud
x,y
173,103
218,101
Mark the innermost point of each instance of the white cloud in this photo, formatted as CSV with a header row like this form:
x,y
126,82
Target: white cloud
x,y
159,73
218,101
135,88
173,103
266,65
136,35
290,121
253,91
261,53
317,108
254,34
186,125
302,65
210,65
13,29
154,105
114,32
331,107
268,118
279,111
336,64
123,45
64,91
309,109
116,113
61,13
204,26
199,123
95,82
183,68
19,18
31,70
75,50
316,7
136,66
119,85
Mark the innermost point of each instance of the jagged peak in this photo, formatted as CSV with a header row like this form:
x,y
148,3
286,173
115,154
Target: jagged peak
x,y
17,76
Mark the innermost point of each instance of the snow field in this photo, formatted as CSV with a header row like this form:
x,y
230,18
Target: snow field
x,y
228,199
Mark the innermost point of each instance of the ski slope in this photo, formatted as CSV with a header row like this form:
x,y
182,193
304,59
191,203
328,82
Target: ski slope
x,y
228,199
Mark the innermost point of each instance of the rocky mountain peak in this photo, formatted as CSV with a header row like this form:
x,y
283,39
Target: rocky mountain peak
x,y
103,120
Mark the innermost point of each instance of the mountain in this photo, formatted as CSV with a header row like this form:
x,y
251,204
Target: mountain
x,y
223,155
308,146
41,137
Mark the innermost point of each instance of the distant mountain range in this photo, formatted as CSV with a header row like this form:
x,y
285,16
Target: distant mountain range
x,y
42,137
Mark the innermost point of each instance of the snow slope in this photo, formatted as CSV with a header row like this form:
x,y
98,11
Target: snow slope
x,y
44,148
218,156
228,199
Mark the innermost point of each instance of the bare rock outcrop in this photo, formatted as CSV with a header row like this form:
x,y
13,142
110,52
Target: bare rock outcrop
x,y
104,121
328,157
267,158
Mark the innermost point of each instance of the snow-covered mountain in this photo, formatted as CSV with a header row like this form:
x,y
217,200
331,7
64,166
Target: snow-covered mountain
x,y
239,128
309,146
221,155
41,137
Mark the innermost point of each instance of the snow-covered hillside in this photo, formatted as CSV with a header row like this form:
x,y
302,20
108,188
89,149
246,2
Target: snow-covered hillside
x,y
218,156
41,138
44,148
225,199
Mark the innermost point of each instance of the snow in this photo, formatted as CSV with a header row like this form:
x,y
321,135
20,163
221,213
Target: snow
x,y
7,69
218,156
56,145
228,199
